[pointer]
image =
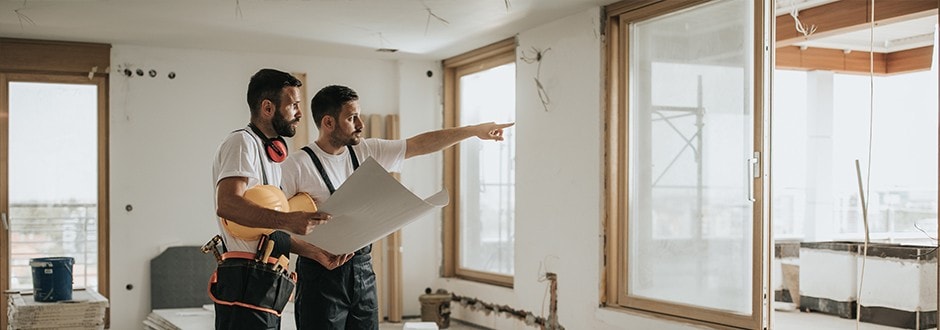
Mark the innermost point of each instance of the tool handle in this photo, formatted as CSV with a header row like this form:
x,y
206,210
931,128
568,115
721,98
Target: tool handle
x,y
267,251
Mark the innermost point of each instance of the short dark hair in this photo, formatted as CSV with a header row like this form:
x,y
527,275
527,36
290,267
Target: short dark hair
x,y
266,84
329,101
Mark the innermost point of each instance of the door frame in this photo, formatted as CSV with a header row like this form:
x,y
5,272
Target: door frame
x,y
101,82
617,160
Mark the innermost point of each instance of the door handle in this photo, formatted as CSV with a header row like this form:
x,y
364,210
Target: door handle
x,y
752,173
6,225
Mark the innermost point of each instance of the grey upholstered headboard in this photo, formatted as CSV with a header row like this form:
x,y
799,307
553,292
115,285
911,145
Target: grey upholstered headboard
x,y
179,277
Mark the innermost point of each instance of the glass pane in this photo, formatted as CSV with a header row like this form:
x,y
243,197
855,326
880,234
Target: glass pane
x,y
691,133
790,157
488,172
902,196
53,179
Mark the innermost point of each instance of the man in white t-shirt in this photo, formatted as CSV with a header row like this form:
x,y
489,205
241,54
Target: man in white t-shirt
x,y
247,158
338,291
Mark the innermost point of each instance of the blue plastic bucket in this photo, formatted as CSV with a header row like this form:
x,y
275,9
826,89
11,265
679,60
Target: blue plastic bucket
x,y
52,278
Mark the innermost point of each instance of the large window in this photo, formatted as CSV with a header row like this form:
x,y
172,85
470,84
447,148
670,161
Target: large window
x,y
685,172
479,224
53,161
822,123
53,187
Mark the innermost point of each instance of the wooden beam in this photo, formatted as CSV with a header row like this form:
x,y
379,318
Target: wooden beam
x,y
911,60
792,57
848,15
856,62
22,55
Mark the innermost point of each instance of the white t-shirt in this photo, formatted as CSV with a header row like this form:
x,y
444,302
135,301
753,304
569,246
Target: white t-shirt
x,y
240,154
300,174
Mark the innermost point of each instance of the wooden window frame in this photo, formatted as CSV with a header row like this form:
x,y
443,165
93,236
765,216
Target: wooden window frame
x,y
496,54
58,62
614,276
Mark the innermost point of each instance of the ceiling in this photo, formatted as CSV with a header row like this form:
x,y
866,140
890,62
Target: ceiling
x,y
417,29
885,37
420,29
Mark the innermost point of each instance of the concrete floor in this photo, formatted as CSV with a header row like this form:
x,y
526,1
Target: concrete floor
x,y
791,319
782,320
453,325
799,321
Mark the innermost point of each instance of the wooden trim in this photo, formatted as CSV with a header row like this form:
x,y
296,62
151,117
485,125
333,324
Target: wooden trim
x,y
855,62
619,159
691,313
392,132
911,60
4,198
373,129
449,212
103,159
617,138
848,15
481,54
622,7
672,318
649,9
761,292
610,267
485,277
104,194
22,55
491,56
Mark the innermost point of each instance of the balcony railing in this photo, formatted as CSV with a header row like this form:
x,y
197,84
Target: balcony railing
x,y
54,230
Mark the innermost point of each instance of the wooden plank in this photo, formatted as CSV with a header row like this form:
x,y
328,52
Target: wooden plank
x,y
848,15
395,274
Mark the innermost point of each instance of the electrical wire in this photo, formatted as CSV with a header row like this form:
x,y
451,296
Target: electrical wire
x,y
865,190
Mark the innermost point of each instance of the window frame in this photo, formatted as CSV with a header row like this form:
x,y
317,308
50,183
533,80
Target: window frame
x,y
57,62
614,277
487,57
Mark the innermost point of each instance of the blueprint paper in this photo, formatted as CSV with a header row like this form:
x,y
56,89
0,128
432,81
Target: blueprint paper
x,y
368,206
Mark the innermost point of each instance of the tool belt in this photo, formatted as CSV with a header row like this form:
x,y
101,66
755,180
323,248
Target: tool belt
x,y
240,280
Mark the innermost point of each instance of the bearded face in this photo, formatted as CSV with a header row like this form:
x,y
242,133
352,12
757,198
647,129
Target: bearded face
x,y
284,126
349,126
288,112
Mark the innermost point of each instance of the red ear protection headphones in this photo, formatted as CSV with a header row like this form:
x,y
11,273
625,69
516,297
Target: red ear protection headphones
x,y
274,148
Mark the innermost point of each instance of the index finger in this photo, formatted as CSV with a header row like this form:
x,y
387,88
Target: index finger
x,y
501,126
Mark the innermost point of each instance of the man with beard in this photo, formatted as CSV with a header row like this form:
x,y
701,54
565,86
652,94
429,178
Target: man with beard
x,y
331,292
249,157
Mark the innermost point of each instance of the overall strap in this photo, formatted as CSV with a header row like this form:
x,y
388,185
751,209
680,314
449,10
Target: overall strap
x,y
326,178
355,160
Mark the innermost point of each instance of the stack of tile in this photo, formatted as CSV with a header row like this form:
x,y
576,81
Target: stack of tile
x,y
195,318
86,310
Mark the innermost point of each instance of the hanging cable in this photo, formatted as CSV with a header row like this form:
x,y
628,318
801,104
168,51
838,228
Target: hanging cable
x,y
799,25
864,188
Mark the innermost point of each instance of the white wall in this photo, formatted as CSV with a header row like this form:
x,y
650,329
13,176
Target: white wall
x,y
421,109
558,220
164,134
